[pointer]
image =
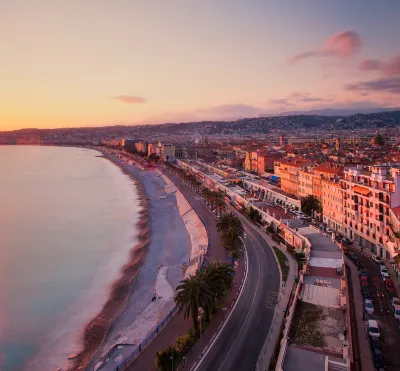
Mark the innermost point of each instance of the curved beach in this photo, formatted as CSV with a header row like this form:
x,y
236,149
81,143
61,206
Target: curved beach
x,y
177,234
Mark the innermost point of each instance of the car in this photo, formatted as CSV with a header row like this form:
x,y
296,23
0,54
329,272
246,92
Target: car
x,y
379,359
389,285
363,273
346,251
364,282
383,268
365,292
373,329
376,259
396,312
328,230
385,275
352,256
369,307
375,343
347,241
395,301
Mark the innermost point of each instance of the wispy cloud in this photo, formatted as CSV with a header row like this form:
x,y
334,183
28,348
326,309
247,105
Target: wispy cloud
x,y
341,45
297,97
130,99
389,85
283,102
391,67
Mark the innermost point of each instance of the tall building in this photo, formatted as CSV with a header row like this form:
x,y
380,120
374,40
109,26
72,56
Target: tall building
x,y
332,205
369,194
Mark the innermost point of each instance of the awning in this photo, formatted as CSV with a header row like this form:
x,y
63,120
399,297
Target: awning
x,y
361,190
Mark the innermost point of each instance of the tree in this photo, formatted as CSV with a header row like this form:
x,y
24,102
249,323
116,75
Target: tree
x,y
192,293
230,228
164,359
255,215
310,203
219,277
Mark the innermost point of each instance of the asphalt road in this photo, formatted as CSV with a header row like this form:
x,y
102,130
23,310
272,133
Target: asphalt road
x,y
241,340
390,334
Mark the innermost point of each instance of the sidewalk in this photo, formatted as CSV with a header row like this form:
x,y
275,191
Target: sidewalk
x,y
177,326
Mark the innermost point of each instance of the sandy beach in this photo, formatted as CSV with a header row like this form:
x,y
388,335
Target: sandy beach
x,y
176,236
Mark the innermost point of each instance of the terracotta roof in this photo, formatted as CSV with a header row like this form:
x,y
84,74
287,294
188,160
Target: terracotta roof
x,y
327,168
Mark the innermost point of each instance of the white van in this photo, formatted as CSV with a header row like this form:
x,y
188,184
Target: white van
x,y
396,310
373,329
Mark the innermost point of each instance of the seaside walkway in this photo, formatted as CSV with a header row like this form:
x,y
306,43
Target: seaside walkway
x,y
177,326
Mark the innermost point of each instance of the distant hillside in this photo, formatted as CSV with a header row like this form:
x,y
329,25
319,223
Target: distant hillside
x,y
339,111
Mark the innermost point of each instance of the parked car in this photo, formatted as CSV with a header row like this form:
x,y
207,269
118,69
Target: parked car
x,y
375,343
347,241
383,268
373,329
385,275
396,312
395,301
365,292
364,281
389,286
379,359
376,259
369,306
352,256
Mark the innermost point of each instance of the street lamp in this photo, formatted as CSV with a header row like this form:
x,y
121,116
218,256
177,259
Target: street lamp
x,y
172,362
201,311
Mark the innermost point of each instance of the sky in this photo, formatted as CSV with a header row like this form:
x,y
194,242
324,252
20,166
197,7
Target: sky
x,y
66,63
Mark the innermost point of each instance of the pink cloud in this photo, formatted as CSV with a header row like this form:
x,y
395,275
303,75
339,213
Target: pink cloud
x,y
390,67
388,85
130,99
341,45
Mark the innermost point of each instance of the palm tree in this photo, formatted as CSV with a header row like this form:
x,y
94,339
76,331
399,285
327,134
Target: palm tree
x,y
219,277
164,359
192,293
221,206
230,228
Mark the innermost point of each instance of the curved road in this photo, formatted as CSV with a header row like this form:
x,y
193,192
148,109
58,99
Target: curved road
x,y
241,340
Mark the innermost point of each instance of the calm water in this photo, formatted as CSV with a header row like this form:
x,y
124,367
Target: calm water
x,y
67,222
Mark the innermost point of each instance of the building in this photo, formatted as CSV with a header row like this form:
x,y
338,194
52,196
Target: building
x,y
332,205
305,182
369,194
324,172
169,152
261,161
289,174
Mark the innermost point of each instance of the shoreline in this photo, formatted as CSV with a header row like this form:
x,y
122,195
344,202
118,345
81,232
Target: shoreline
x,y
98,328
97,333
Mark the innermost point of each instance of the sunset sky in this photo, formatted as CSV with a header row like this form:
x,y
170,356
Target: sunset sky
x,y
103,62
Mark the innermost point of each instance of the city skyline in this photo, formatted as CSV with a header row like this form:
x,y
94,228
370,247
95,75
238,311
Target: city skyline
x,y
100,63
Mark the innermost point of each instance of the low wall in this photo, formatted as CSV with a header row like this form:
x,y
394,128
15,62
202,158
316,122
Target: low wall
x,y
288,324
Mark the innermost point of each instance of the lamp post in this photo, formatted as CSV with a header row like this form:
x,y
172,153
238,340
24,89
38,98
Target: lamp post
x,y
172,362
200,317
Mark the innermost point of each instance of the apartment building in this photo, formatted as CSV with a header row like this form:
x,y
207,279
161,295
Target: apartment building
x,y
332,205
369,192
305,182
289,174
324,172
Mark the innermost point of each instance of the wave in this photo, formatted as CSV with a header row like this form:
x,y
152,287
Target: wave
x,y
96,330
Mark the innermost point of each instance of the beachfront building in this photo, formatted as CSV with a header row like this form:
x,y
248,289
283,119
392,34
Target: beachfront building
x,y
369,193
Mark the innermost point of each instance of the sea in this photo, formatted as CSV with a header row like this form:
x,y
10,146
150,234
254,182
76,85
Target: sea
x,y
67,223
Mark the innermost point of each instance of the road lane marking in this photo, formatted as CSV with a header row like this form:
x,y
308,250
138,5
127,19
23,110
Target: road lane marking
x,y
248,313
209,347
